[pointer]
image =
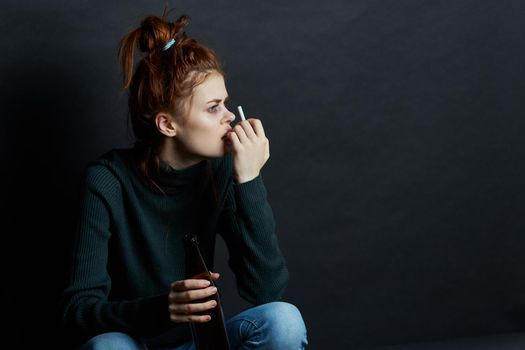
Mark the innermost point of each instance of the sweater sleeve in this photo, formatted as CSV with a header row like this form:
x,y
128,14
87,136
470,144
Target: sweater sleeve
x,y
86,310
247,225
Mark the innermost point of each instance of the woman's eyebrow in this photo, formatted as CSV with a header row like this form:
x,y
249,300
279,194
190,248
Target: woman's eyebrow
x,y
217,100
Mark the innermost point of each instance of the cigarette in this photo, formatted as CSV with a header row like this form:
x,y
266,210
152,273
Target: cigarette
x,y
239,108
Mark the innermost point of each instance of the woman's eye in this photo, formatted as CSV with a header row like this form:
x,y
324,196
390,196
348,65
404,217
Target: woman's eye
x,y
214,108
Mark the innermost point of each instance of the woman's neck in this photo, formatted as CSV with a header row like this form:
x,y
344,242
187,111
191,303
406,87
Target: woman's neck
x,y
171,153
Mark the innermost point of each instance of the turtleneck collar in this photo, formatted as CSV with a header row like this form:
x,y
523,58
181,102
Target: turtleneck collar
x,y
173,179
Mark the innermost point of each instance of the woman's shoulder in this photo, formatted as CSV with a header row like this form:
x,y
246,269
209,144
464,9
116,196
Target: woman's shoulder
x,y
113,158
110,168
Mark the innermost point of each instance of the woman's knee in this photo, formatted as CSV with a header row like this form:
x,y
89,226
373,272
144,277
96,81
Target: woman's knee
x,y
112,340
286,325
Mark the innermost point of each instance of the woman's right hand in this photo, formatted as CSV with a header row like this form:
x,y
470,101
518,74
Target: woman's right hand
x,y
181,299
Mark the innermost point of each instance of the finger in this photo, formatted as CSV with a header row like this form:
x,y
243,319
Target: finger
x,y
189,309
248,129
239,131
183,285
190,295
215,276
190,318
236,143
257,127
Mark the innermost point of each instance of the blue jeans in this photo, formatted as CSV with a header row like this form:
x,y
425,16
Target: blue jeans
x,y
273,326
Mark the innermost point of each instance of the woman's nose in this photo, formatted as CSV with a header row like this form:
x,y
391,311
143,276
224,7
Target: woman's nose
x,y
230,117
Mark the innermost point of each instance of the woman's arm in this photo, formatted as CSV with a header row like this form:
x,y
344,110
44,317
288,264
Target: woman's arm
x,y
85,306
247,225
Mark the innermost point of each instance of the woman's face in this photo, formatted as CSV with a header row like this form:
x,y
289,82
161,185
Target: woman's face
x,y
201,135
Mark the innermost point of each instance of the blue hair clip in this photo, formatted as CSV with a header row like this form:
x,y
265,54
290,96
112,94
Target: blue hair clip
x,y
168,45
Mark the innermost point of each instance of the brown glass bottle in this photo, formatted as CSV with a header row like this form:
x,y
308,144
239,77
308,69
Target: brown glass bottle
x,y
210,335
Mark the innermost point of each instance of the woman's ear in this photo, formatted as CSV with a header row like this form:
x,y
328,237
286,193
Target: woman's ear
x,y
166,124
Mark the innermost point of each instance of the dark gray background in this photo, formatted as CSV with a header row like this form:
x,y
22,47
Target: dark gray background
x,y
396,172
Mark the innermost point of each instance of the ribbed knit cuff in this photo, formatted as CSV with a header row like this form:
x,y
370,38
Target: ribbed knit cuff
x,y
154,312
250,192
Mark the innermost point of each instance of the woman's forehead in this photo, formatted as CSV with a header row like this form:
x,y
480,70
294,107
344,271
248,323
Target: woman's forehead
x,y
213,87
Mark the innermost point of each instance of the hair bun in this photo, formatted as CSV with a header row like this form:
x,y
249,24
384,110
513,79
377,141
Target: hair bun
x,y
156,32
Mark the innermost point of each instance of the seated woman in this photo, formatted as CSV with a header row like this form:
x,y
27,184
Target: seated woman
x,y
189,170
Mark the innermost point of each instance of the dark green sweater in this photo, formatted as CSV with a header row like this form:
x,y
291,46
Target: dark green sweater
x,y
129,244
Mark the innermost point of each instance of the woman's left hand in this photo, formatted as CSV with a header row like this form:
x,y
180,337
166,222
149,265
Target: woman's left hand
x,y
250,148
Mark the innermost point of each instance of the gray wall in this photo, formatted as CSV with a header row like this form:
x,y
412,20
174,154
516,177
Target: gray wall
x,y
396,172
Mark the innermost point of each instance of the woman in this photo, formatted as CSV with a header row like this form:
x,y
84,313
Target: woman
x,y
188,171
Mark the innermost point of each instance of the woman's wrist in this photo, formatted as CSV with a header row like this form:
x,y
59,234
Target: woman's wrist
x,y
242,179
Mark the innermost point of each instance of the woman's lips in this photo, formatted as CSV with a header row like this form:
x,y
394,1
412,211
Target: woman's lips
x,y
227,133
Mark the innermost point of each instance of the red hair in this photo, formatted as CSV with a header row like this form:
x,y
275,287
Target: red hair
x,y
163,79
